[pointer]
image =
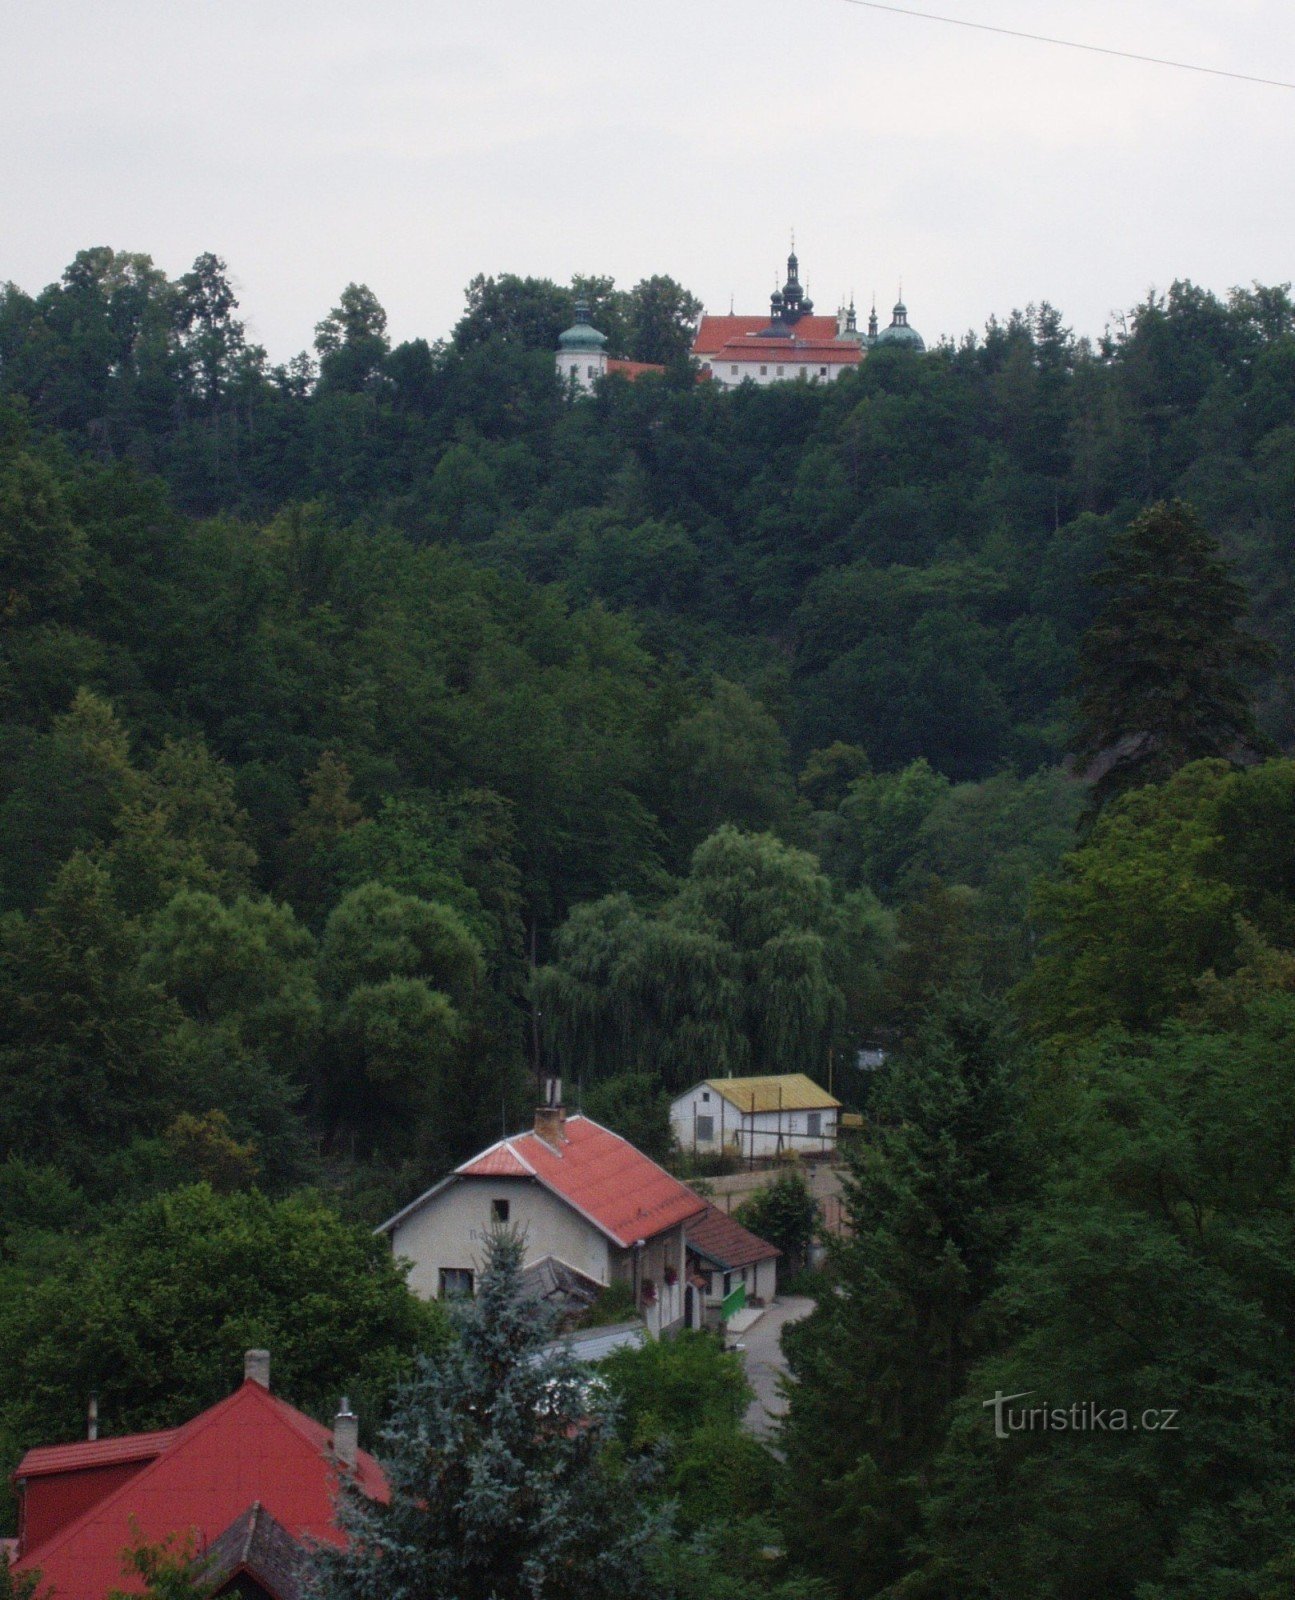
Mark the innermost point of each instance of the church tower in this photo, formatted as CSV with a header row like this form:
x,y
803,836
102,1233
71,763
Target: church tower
x,y
582,353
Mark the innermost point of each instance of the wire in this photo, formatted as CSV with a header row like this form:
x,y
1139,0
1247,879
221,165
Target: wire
x,y
1071,44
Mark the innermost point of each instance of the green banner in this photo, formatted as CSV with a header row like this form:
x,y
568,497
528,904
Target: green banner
x,y
733,1303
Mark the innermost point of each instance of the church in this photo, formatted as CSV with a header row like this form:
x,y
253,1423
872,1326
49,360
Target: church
x,y
790,342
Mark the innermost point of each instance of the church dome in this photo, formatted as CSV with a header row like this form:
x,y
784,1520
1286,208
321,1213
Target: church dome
x,y
581,336
899,332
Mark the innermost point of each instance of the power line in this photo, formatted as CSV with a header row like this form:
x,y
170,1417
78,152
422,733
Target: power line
x,y
1071,44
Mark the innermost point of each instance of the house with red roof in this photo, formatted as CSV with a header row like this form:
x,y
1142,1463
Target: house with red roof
x,y
724,1256
247,1484
577,1195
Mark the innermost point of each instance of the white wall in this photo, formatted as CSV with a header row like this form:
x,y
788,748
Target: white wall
x,y
588,365
721,370
750,1135
761,1279
452,1228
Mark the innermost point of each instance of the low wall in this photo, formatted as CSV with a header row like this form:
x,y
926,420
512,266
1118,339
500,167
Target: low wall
x,y
822,1179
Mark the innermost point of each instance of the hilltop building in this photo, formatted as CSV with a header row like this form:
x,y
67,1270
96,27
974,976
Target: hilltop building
x,y
582,355
793,341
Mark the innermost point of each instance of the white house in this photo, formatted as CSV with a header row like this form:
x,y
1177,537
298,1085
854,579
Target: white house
x,y
756,1116
576,1193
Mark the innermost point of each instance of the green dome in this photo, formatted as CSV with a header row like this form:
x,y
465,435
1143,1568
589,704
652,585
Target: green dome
x,y
580,336
899,331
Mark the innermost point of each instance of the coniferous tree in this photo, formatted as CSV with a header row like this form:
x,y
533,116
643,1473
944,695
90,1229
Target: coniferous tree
x,y
503,1483
931,1199
1162,669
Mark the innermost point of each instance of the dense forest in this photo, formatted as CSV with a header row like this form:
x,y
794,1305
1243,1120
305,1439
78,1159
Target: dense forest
x,y
380,728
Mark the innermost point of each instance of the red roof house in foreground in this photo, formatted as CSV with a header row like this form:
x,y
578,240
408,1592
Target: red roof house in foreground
x,y
577,1194
247,1481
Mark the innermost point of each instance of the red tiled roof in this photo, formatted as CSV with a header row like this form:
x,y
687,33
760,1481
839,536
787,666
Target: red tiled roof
x,y
93,1453
500,1161
715,332
792,352
602,1176
726,1242
251,1446
632,369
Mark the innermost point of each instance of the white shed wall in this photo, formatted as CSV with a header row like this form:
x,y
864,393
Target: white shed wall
x,y
764,1133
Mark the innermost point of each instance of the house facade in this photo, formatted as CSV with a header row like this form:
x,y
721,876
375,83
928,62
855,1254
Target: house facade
x,y
756,1117
576,1195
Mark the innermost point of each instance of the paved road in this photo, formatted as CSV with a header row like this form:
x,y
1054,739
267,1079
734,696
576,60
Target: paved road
x,y
765,1364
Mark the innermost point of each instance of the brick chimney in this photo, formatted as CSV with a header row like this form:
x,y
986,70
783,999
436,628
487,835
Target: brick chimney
x,y
548,1125
256,1365
346,1434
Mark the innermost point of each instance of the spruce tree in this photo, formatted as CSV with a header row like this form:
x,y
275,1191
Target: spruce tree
x,y
505,1480
931,1199
1162,669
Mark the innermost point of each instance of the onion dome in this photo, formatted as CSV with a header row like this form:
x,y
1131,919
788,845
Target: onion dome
x,y
899,332
581,336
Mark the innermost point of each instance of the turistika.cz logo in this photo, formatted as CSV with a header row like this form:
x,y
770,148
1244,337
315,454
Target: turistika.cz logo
x,y
1084,1416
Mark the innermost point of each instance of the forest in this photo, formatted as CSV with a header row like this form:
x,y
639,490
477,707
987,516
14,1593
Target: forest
x,y
384,728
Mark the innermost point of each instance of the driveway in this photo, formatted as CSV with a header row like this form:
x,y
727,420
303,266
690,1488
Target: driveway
x,y
765,1363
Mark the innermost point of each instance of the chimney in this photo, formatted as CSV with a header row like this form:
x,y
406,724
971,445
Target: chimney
x,y
256,1366
346,1434
548,1125
92,1418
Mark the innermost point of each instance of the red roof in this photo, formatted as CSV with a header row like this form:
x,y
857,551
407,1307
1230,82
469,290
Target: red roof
x,y
715,332
792,352
726,1242
249,1447
94,1453
632,369
599,1174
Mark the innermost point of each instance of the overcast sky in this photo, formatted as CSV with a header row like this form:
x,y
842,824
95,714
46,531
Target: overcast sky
x,y
412,145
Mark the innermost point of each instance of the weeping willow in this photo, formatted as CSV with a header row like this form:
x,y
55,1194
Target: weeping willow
x,y
732,975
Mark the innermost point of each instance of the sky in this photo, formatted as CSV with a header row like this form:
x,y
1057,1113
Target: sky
x,y
411,144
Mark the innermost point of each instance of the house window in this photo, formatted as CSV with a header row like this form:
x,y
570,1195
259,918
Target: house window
x,y
499,1211
780,372
814,1123
575,370
728,1284
733,370
705,1129
705,1097
822,372
456,1283
804,372
764,372
590,371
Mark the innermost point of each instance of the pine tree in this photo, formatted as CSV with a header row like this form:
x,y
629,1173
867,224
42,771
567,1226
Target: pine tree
x,y
1162,668
505,1482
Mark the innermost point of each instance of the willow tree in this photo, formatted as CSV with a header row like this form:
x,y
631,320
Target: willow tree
x,y
734,973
